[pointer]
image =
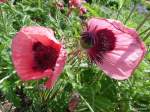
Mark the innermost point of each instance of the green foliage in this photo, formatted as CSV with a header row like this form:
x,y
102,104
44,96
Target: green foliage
x,y
98,93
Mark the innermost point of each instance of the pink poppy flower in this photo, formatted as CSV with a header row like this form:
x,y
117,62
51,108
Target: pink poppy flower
x,y
116,49
37,54
77,4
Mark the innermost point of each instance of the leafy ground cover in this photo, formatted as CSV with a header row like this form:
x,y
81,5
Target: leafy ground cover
x,y
81,81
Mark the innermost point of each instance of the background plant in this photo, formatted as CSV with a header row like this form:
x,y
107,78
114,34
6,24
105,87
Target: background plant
x,y
98,93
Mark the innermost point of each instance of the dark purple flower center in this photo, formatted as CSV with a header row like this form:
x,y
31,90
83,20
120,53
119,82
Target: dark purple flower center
x,y
102,40
99,42
44,56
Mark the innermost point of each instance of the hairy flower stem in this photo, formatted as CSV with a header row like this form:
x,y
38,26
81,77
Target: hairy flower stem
x,y
142,23
145,31
73,56
146,37
69,12
131,12
119,11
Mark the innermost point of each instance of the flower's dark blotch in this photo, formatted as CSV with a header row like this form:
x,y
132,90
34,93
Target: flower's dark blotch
x,y
100,41
44,56
105,40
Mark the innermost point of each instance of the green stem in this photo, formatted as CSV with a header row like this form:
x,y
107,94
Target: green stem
x,y
145,31
146,37
131,12
39,4
120,9
88,105
142,23
3,20
5,78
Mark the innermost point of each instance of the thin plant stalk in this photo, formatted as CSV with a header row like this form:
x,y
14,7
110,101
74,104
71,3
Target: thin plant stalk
x,y
39,4
88,105
146,37
131,12
120,9
3,20
5,78
145,31
73,54
142,23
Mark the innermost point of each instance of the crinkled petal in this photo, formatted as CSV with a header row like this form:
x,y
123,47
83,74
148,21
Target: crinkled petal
x,y
97,24
39,31
122,61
